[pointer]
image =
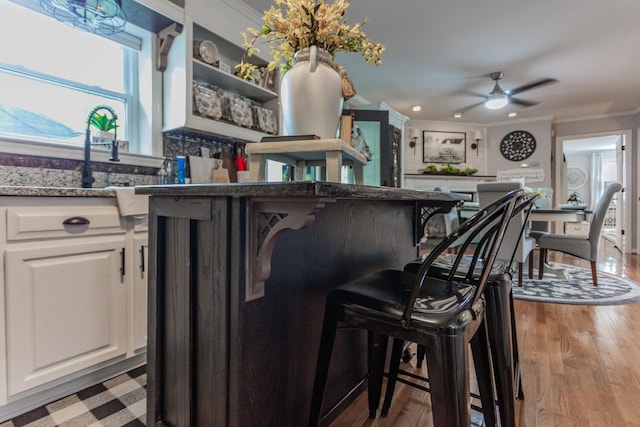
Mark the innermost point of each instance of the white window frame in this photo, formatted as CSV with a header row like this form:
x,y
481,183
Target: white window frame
x,y
141,116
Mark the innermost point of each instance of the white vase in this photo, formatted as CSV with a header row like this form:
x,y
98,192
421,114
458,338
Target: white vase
x,y
311,95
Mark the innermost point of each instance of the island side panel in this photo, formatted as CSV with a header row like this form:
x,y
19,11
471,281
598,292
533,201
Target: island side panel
x,y
211,243
187,312
279,333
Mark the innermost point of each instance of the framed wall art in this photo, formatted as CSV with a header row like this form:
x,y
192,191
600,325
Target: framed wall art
x,y
444,147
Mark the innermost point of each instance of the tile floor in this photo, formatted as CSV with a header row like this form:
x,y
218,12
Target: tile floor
x,y
118,402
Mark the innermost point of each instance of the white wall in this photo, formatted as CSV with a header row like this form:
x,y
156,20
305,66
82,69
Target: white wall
x,y
540,159
413,162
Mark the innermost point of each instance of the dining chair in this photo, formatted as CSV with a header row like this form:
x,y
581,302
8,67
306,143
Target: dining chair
x,y
442,314
501,329
581,246
487,193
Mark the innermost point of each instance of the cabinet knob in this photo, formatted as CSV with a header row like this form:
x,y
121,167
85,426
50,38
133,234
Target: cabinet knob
x,y
76,220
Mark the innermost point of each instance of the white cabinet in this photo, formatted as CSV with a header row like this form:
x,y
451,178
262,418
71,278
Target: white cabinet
x,y
184,69
65,308
72,294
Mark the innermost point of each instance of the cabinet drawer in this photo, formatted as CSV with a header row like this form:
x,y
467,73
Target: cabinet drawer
x,y
46,222
576,228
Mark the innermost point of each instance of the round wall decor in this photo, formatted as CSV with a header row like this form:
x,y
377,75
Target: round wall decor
x,y
517,145
576,177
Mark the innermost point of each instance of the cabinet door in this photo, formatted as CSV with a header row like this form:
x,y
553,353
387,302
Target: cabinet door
x,y
65,309
385,167
141,248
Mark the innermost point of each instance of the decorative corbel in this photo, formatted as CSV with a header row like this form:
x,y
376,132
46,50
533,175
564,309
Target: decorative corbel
x,y
267,221
165,40
424,212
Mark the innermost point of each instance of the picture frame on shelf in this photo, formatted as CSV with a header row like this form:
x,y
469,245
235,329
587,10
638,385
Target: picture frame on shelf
x,y
444,147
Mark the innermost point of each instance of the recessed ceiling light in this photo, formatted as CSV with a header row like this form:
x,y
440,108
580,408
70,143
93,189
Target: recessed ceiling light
x,y
512,114
457,115
416,108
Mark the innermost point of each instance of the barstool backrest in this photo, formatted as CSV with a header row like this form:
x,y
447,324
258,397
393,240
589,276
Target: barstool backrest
x,y
477,242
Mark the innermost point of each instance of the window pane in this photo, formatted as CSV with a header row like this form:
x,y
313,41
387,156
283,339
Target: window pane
x,y
59,50
53,77
30,107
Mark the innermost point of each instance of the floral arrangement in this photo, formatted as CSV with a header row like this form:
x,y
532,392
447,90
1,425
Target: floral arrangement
x,y
297,24
540,191
461,169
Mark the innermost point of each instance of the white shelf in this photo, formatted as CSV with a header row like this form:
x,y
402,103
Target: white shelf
x,y
208,73
202,124
183,69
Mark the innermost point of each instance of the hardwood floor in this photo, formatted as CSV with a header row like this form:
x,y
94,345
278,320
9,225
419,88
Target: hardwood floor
x,y
580,364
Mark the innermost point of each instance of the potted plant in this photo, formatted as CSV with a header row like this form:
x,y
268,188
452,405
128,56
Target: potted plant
x,y
104,124
304,37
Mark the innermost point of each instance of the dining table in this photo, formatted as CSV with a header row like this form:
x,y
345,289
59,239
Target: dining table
x,y
557,216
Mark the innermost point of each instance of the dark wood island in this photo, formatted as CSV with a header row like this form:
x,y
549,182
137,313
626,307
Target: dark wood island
x,y
237,284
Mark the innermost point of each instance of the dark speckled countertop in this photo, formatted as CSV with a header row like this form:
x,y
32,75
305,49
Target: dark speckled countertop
x,y
56,192
296,189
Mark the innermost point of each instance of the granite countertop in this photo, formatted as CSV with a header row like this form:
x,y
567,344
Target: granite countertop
x,y
55,192
297,189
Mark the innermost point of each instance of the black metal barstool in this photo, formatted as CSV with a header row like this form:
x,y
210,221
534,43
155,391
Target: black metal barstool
x,y
442,314
500,320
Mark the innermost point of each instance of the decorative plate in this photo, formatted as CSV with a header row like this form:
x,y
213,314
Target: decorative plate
x,y
207,51
517,145
576,177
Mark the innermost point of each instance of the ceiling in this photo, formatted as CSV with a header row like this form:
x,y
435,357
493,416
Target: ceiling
x,y
438,51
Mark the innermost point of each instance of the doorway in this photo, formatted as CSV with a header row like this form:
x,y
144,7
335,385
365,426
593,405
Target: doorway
x,y
586,164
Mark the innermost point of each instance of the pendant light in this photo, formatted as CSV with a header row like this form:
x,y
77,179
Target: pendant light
x,y
102,17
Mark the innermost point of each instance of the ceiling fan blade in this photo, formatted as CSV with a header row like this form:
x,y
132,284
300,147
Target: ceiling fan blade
x,y
531,85
469,107
470,93
522,102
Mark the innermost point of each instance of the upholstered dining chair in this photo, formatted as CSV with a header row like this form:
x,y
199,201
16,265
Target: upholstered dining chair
x,y
487,193
442,314
582,247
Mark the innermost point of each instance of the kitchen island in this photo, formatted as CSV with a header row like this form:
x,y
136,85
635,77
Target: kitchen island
x,y
237,285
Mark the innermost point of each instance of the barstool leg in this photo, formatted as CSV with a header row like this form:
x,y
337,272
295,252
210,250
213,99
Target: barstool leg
x,y
484,374
420,356
327,339
394,365
500,324
448,368
516,355
377,354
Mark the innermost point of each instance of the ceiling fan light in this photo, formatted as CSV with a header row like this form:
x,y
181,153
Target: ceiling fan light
x,y
497,101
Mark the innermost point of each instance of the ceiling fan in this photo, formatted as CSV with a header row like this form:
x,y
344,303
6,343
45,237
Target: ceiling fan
x,y
499,98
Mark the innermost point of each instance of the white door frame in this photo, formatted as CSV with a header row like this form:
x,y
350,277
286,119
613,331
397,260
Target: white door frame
x,y
625,202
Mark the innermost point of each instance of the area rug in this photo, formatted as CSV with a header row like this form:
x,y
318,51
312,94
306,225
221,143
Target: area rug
x,y
579,289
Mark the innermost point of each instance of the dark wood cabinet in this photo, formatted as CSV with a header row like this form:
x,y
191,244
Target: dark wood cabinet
x,y
385,142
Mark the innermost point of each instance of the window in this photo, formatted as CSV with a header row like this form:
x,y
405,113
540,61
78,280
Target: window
x,y
52,77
